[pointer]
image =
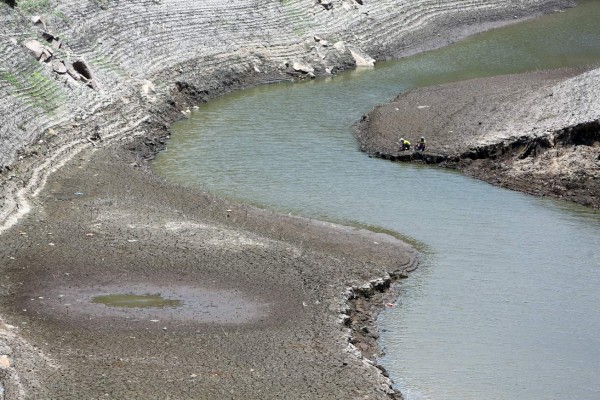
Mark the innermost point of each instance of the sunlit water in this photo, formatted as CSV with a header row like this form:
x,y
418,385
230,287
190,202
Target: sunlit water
x,y
506,302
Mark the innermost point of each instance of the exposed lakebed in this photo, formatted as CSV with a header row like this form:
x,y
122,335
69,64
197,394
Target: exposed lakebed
x,y
145,302
504,304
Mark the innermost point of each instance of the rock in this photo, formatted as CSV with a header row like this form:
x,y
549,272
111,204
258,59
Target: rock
x,y
72,73
38,21
321,41
148,88
35,48
38,50
340,46
362,59
59,67
327,4
4,362
52,39
301,67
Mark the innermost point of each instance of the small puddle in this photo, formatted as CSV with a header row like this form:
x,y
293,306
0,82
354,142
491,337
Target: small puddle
x,y
149,302
136,300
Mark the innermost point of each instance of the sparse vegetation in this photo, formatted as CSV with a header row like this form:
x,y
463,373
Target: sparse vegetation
x,y
31,6
36,89
10,78
59,14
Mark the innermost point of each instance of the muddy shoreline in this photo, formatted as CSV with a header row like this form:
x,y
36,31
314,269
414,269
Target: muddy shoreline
x,y
104,218
561,160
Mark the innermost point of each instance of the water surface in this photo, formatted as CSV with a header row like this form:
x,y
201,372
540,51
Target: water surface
x,y
131,300
505,303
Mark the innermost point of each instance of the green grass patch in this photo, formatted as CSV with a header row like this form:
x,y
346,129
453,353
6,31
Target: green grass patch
x,y
31,6
10,78
101,61
36,89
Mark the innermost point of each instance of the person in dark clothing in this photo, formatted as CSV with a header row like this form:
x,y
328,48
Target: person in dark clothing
x,y
420,144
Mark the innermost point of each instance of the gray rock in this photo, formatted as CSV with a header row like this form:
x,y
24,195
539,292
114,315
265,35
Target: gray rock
x,y
340,46
148,88
35,47
59,67
39,51
327,4
38,21
301,67
362,59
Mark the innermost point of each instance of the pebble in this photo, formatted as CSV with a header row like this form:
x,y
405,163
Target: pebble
x,y
4,362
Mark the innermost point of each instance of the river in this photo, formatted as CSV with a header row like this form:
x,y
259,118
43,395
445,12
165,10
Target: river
x,y
505,303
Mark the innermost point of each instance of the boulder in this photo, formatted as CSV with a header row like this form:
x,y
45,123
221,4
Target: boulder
x,y
4,362
301,67
35,47
327,4
362,59
38,50
38,21
52,39
148,88
72,73
340,46
59,67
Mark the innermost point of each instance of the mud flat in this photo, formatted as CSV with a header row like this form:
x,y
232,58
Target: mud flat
x,y
537,132
264,298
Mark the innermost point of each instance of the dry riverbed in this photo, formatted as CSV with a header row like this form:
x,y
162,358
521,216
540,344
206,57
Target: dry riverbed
x,y
264,314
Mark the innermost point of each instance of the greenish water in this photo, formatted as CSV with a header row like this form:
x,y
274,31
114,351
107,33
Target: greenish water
x,y
136,301
505,302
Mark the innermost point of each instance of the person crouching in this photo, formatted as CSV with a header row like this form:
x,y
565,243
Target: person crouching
x,y
404,144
